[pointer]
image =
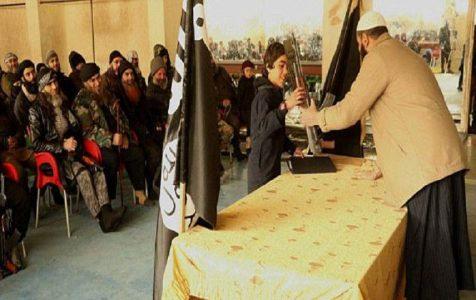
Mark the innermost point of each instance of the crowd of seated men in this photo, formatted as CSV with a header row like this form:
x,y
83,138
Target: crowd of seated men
x,y
118,112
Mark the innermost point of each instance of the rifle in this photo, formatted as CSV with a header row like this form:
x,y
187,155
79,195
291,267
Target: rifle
x,y
291,48
119,153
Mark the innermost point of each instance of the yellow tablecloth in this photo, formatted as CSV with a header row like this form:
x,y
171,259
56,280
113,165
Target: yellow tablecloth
x,y
322,236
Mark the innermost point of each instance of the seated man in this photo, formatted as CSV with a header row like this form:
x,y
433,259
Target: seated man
x,y
76,61
55,129
162,52
229,114
98,117
157,104
19,205
66,85
10,83
158,96
133,103
28,93
111,84
133,58
227,105
12,144
246,93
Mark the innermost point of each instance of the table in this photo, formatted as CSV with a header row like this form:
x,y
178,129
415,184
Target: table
x,y
317,236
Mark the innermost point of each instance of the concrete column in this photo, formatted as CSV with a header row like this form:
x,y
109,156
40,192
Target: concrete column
x,y
156,15
34,34
468,62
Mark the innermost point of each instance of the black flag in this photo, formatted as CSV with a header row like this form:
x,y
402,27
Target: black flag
x,y
191,156
343,70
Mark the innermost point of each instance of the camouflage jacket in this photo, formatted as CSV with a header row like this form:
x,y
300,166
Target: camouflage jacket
x,y
91,116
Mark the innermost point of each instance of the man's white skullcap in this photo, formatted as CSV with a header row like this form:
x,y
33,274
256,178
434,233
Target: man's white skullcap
x,y
371,19
132,54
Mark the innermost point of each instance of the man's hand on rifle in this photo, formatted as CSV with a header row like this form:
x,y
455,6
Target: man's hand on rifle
x,y
309,115
226,102
296,98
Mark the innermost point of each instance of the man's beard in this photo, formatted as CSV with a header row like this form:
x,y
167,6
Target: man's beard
x,y
129,84
56,100
163,83
13,70
31,87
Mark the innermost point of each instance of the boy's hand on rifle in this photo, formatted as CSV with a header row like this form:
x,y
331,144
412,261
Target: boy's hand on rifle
x,y
298,152
296,98
309,115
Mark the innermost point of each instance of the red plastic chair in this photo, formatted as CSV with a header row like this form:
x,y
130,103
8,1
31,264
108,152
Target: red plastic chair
x,y
11,173
42,180
92,149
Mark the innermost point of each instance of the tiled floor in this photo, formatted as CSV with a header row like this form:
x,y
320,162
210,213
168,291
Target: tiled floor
x,y
93,265
454,98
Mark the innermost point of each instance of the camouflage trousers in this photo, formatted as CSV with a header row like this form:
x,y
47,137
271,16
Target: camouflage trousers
x,y
92,186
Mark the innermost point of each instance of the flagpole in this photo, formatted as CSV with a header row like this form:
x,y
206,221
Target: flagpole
x,y
183,194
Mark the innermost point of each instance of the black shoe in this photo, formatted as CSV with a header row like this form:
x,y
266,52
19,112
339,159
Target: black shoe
x,y
13,240
153,196
119,212
109,219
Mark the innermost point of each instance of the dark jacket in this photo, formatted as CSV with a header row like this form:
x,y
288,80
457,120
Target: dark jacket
x,y
43,134
268,136
67,87
74,77
246,94
22,108
156,108
110,86
224,89
223,85
141,82
111,91
135,113
9,127
10,86
3,96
